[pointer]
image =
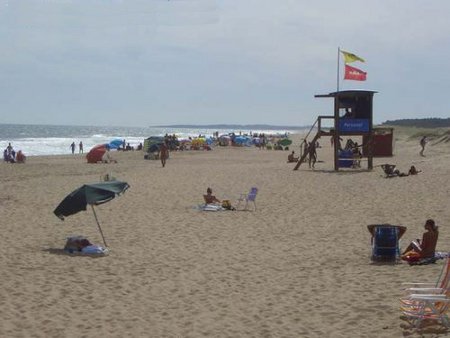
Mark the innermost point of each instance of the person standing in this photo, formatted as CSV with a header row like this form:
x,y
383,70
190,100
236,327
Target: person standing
x,y
80,146
312,153
72,146
423,142
163,153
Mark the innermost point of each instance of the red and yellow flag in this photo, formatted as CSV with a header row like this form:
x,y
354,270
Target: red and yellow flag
x,y
352,73
350,57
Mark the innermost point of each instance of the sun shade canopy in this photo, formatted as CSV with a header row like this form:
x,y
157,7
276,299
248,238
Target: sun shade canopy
x,y
93,194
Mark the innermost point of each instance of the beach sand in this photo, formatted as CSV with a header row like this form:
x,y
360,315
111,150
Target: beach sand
x,y
298,266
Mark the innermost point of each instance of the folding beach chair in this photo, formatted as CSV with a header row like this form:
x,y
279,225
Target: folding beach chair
x,y
248,198
385,247
439,286
428,306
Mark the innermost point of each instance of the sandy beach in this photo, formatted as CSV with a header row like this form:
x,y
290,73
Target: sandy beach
x,y
298,266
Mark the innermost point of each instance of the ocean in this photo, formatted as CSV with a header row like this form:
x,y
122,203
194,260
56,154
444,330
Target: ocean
x,y
39,140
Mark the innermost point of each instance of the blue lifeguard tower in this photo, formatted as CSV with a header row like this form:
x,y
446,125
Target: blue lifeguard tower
x,y
352,117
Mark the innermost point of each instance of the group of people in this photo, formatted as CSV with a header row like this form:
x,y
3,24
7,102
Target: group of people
x,y
309,148
80,147
418,249
391,171
10,155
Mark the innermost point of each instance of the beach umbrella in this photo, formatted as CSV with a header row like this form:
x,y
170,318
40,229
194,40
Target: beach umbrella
x,y
95,155
92,194
242,140
115,144
285,142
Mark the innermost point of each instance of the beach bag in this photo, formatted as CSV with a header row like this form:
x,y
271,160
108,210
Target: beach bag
x,y
226,204
411,256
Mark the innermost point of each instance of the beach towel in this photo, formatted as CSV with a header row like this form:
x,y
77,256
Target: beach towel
x,y
212,207
94,250
430,260
209,207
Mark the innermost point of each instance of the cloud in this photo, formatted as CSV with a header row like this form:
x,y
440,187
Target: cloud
x,y
181,61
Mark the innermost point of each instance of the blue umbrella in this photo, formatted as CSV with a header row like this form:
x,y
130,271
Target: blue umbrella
x,y
114,144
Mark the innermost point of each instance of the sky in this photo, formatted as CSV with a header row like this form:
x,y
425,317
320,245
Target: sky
x,y
161,62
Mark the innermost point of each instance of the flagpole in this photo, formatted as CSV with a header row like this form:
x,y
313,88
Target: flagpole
x,y
337,85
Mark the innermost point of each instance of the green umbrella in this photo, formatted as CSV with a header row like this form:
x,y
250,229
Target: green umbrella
x,y
285,142
92,194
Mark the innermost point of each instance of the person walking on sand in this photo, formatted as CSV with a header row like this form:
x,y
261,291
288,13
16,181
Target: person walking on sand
x,y
163,153
72,146
423,142
312,153
80,146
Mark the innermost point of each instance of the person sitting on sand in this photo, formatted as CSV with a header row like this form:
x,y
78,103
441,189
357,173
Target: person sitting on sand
x,y
413,171
292,158
210,198
20,157
426,247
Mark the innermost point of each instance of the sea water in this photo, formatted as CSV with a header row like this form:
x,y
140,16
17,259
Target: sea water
x,y
38,140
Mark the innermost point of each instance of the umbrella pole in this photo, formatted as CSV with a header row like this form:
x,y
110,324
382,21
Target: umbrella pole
x,y
98,224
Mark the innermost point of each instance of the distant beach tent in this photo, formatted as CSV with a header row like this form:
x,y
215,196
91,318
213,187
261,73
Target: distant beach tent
x,y
198,142
150,142
95,155
115,144
209,140
243,140
224,140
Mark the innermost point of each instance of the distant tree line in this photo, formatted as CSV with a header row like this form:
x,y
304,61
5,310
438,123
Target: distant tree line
x,y
420,123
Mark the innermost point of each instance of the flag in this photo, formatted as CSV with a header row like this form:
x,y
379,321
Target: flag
x,y
352,73
349,57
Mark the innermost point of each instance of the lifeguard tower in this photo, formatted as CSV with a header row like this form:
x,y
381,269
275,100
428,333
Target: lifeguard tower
x,y
352,117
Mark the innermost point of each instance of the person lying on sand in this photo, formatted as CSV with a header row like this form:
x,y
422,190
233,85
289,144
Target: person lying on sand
x,y
391,171
210,198
413,171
